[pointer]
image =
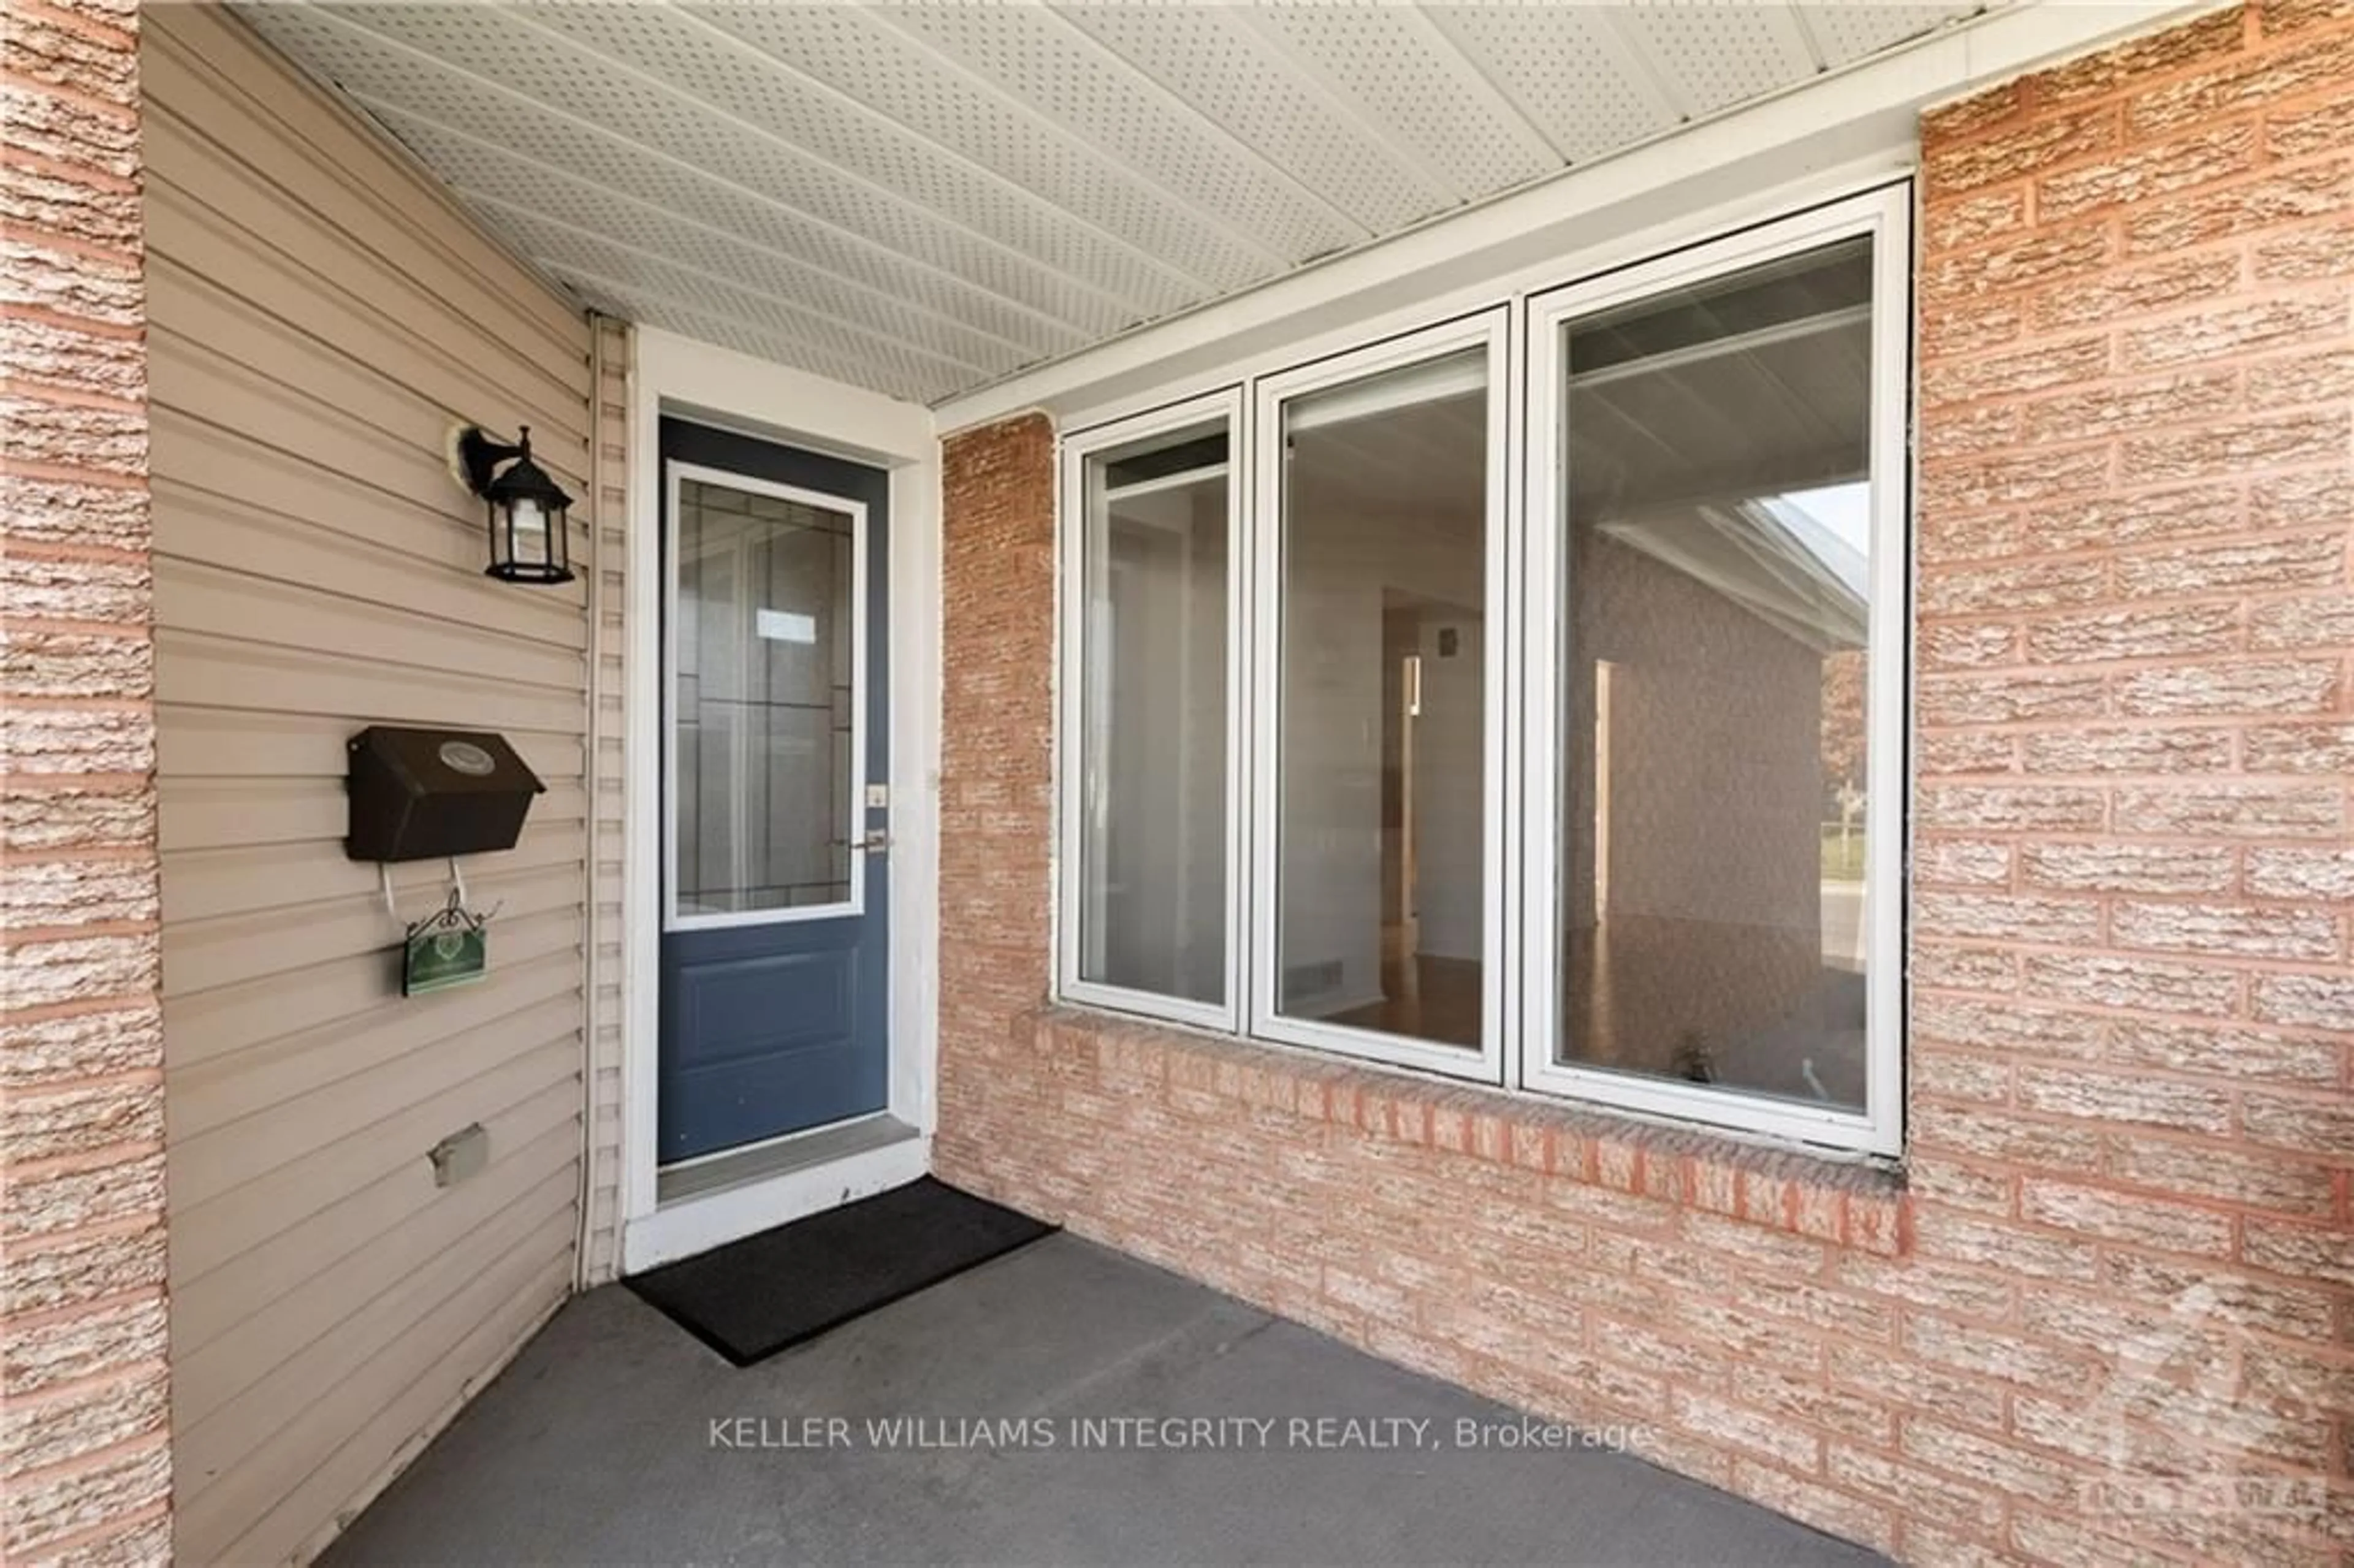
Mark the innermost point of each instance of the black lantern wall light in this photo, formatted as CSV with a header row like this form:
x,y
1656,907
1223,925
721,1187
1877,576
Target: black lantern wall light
x,y
530,537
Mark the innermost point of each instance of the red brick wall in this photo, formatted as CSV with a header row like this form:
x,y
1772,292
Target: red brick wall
x,y
997,715
85,1462
2120,1281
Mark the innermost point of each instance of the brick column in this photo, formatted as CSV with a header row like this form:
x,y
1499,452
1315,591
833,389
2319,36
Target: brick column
x,y
85,1458
997,493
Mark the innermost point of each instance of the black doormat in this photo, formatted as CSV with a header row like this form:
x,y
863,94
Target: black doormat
x,y
751,1298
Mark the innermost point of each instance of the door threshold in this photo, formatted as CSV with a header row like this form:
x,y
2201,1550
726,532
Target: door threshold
x,y
668,1169
717,1200
777,1156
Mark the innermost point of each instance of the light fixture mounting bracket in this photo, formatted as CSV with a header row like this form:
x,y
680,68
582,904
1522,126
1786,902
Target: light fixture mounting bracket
x,y
476,457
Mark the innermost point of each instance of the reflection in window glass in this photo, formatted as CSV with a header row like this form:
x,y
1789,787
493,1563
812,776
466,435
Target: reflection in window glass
x,y
1381,877
1718,594
1152,813
762,702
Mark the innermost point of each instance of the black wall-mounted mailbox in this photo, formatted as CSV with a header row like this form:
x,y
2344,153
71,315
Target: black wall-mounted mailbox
x,y
423,794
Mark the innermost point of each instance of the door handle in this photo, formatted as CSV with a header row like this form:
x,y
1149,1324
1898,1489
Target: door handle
x,y
874,840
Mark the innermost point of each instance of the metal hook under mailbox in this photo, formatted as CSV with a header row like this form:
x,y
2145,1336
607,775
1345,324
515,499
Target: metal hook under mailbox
x,y
457,881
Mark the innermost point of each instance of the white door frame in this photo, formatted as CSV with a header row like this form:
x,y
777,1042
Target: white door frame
x,y
676,376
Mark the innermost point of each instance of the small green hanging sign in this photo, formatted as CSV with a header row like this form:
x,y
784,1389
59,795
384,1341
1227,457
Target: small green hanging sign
x,y
449,947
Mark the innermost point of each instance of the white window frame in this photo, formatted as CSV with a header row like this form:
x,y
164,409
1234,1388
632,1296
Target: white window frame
x,y
1524,765
1885,215
1078,448
1487,330
676,472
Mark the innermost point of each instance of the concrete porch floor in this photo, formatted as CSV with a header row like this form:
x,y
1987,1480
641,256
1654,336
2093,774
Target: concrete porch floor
x,y
596,1447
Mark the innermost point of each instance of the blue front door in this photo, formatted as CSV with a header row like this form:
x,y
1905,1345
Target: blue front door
x,y
775,918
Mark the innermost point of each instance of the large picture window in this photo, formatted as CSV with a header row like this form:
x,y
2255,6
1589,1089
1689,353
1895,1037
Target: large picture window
x,y
1577,759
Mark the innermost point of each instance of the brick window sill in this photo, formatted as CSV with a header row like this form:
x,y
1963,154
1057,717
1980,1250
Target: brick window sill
x,y
1853,1204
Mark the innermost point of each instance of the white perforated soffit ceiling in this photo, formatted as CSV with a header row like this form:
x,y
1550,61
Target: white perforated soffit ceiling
x,y
923,198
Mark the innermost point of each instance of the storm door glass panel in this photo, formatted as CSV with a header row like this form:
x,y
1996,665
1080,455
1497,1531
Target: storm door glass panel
x,y
1152,837
1381,743
763,702
1718,591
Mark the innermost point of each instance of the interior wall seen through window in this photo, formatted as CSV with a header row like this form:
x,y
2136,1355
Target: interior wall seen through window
x,y
1382,874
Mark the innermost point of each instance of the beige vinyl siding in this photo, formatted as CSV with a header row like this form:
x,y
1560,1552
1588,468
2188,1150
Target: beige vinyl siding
x,y
319,317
